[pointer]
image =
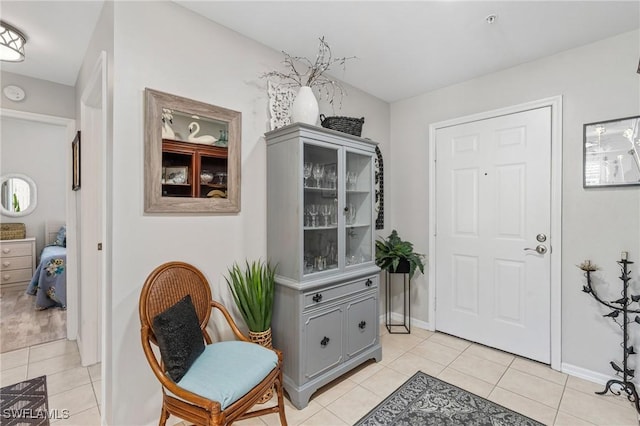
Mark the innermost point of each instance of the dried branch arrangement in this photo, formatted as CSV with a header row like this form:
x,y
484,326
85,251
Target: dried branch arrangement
x,y
303,72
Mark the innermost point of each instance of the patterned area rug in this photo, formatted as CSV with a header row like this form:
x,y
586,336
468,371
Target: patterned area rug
x,y
25,403
424,400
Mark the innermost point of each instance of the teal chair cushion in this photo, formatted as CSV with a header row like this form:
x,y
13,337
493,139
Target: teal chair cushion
x,y
226,371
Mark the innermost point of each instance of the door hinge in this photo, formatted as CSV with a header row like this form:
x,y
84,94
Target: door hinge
x,y
99,246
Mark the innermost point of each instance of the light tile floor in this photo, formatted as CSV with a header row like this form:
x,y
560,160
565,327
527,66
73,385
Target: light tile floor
x,y
528,387
70,385
522,385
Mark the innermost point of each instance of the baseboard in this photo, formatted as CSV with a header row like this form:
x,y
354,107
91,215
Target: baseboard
x,y
583,373
396,317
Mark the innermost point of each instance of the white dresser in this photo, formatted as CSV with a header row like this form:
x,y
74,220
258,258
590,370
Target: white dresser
x,y
17,262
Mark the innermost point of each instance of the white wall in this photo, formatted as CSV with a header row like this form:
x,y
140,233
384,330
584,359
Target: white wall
x,y
101,40
163,46
597,82
37,150
42,97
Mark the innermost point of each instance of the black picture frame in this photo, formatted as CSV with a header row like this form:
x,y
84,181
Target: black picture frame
x,y
611,153
75,162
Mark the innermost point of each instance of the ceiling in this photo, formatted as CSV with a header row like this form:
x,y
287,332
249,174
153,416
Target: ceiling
x,y
58,34
402,48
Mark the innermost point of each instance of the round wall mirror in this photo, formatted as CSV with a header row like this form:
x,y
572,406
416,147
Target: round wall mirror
x,y
18,195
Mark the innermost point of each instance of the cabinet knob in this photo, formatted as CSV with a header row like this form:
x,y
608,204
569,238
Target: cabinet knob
x,y
317,297
6,250
324,341
6,277
6,264
362,325
368,283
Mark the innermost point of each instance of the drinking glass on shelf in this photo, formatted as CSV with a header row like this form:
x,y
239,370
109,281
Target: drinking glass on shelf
x,y
332,254
308,264
334,212
318,173
351,214
332,175
352,180
306,170
307,217
313,212
325,211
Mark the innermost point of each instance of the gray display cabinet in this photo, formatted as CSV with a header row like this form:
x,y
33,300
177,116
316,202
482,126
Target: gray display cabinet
x,y
320,232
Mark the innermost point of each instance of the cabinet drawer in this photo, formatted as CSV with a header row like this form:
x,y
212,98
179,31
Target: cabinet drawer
x,y
19,262
362,327
323,341
314,298
15,249
15,275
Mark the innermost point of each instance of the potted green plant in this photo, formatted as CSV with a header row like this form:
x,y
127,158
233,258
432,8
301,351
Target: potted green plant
x,y
253,290
395,255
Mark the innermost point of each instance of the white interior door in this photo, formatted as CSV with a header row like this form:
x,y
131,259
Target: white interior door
x,y
493,202
92,215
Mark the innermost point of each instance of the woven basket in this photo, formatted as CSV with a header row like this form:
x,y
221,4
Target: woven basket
x,y
352,126
263,339
12,231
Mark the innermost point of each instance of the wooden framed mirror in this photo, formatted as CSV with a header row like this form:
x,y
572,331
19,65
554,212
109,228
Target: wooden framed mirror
x,y
192,156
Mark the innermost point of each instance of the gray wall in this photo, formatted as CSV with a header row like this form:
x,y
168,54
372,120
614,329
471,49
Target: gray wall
x,y
37,150
42,97
598,82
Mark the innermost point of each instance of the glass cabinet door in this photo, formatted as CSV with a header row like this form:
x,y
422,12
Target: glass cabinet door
x,y
320,208
358,209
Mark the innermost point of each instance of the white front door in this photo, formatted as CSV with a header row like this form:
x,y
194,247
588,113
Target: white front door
x,y
493,204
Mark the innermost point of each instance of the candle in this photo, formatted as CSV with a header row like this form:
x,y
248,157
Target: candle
x,y
624,255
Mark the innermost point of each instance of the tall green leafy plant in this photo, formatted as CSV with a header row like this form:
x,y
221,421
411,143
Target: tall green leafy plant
x,y
392,250
253,289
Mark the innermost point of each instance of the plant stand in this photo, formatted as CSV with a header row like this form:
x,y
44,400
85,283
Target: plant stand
x,y
619,308
406,299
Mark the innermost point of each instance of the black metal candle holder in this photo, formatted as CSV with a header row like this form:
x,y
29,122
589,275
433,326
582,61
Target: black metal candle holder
x,y
620,311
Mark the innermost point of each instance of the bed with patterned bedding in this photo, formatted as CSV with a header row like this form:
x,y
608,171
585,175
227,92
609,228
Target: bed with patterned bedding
x,y
49,283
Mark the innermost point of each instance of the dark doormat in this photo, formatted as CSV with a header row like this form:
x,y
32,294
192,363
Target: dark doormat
x,y
424,400
25,403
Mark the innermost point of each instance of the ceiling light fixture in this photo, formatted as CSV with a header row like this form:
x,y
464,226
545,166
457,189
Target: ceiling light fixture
x,y
12,43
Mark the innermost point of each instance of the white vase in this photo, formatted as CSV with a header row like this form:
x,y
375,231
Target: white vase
x,y
305,107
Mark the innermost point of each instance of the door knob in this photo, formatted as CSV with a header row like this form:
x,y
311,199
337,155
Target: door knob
x,y
541,238
540,249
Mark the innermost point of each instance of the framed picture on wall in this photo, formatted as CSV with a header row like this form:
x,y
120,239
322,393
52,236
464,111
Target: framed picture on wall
x,y
75,162
612,153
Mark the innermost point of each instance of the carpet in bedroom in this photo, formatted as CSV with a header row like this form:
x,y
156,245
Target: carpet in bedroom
x,y
21,325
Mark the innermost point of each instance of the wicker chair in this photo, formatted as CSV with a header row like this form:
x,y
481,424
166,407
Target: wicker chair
x,y
164,287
